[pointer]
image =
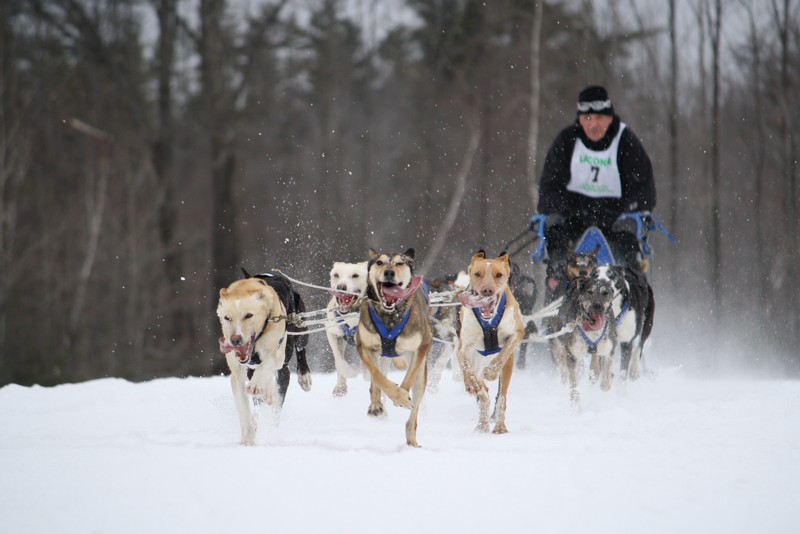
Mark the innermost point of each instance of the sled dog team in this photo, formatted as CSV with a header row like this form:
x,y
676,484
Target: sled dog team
x,y
382,308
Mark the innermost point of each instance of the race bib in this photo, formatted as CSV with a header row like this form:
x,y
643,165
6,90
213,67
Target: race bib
x,y
595,173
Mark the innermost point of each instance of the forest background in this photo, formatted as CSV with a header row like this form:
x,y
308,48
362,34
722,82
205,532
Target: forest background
x,y
150,148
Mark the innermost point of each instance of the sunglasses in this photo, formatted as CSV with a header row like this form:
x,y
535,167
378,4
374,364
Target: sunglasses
x,y
597,105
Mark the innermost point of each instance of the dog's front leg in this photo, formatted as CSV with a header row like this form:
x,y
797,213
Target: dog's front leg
x,y
471,382
634,368
303,370
492,371
420,380
247,421
606,375
572,370
399,396
338,346
262,384
502,398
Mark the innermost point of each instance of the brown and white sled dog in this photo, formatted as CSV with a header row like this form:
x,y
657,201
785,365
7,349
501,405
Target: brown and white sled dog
x,y
491,328
348,283
252,313
395,323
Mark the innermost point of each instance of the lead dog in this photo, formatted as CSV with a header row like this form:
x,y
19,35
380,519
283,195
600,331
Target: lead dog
x,y
252,313
348,282
634,307
395,323
588,309
491,328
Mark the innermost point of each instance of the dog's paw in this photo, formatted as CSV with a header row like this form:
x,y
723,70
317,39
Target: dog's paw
x,y
471,384
258,391
500,428
340,390
399,364
305,381
402,398
605,385
491,372
375,410
483,427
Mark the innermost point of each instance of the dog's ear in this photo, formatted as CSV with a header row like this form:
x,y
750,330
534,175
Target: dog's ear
x,y
595,250
504,257
409,253
480,255
245,273
223,292
372,253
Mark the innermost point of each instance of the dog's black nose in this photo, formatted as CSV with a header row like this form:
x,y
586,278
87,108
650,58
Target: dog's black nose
x,y
236,341
388,273
597,307
487,292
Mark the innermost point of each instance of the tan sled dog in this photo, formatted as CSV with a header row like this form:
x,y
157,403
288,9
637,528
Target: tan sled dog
x,y
491,328
394,323
253,343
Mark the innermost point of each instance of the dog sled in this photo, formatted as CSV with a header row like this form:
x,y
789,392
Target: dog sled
x,y
639,223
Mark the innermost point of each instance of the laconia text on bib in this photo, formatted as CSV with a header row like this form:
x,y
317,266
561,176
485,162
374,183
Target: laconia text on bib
x,y
595,173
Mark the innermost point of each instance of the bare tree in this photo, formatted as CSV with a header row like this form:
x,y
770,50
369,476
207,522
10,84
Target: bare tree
x,y
715,35
535,98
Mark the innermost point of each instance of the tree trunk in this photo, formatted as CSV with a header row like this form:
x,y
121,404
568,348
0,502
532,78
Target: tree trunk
x,y
536,91
219,109
715,22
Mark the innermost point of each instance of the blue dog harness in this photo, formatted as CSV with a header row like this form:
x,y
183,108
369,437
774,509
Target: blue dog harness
x,y
490,343
389,337
592,345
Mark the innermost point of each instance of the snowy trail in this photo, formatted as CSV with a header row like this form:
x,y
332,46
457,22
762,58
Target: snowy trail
x,y
669,453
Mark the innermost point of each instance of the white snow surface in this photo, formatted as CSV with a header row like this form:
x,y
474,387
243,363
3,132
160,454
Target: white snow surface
x,y
669,453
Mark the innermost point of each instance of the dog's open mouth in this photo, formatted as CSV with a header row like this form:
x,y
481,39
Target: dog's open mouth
x,y
487,305
391,293
595,321
244,353
344,300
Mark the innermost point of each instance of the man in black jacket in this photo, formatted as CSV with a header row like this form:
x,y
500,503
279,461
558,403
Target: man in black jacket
x,y
595,170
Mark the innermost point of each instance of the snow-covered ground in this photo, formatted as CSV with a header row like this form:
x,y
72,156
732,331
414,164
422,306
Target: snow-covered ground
x,y
671,453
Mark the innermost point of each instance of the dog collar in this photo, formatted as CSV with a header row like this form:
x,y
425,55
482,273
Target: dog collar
x,y
491,345
388,337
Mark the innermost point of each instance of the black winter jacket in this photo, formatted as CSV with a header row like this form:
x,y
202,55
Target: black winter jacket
x,y
636,174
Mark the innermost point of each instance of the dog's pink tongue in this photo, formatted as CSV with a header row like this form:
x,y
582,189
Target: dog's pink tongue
x,y
400,293
242,352
343,299
471,300
597,322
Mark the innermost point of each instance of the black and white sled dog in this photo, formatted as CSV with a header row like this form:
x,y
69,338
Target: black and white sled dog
x,y
252,314
634,308
587,312
348,282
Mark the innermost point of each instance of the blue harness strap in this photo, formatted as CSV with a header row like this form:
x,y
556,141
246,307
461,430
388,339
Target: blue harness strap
x,y
388,337
491,344
625,307
349,332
